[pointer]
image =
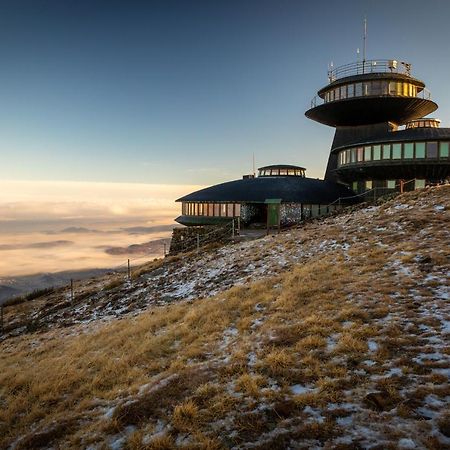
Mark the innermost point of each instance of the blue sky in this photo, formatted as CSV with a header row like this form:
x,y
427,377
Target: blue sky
x,y
184,92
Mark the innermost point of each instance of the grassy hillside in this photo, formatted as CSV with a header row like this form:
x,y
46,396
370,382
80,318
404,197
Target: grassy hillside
x,y
334,335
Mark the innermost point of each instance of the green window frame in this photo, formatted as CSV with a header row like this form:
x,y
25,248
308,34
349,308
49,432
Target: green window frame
x,y
376,152
432,150
368,153
396,151
408,150
386,151
390,184
420,150
443,150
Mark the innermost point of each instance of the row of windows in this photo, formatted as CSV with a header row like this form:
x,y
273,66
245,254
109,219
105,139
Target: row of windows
x,y
367,185
280,172
376,87
405,150
211,209
318,210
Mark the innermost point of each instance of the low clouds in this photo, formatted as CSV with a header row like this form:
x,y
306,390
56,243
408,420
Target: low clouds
x,y
36,245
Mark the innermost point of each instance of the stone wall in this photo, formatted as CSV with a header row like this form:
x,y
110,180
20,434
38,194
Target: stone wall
x,y
185,239
290,214
248,212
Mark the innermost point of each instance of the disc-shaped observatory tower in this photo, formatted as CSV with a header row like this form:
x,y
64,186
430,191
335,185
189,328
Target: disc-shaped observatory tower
x,y
382,139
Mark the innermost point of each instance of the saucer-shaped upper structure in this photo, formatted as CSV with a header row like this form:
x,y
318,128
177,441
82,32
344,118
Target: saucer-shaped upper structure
x,y
371,92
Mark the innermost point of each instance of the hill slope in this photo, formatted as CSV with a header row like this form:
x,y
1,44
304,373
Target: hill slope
x,y
334,335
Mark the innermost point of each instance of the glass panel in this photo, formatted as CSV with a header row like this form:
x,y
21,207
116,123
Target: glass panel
x,y
237,209
223,210
419,184
283,172
353,155
391,184
350,90
432,149
314,210
367,153
358,89
210,209
443,150
343,92
376,88
392,88
420,149
347,156
183,209
408,149
377,152
369,185
366,88
386,151
396,151
406,89
384,87
331,94
230,210
216,209
355,186
359,153
399,88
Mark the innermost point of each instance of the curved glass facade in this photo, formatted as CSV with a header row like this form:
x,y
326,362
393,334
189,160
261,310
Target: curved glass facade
x,y
431,150
270,172
375,88
211,209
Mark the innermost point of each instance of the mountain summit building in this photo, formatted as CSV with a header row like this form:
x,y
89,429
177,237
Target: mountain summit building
x,y
383,143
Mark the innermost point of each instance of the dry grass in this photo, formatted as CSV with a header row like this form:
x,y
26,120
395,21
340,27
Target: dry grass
x,y
184,371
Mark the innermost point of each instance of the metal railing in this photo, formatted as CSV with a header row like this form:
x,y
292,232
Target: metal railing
x,y
369,66
423,94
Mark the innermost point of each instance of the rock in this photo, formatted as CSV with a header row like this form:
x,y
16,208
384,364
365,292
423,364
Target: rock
x,y
380,401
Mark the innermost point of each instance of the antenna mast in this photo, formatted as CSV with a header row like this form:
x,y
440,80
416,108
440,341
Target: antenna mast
x,y
254,171
364,43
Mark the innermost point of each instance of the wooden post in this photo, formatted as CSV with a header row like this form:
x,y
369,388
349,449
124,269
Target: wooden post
x,y
1,318
165,246
129,271
232,228
71,290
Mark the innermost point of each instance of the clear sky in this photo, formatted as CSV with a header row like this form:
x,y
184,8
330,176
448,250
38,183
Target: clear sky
x,y
183,92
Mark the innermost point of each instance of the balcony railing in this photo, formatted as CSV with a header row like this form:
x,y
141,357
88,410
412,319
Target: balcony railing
x,y
370,66
423,94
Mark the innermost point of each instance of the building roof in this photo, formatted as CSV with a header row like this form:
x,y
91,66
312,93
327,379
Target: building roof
x,y
258,190
281,166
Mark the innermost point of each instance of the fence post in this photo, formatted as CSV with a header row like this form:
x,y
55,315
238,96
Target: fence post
x,y
1,318
71,290
165,246
232,228
129,271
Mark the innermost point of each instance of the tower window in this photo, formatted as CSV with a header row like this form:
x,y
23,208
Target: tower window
x,y
408,150
390,184
396,151
367,153
377,152
443,150
387,151
432,150
420,149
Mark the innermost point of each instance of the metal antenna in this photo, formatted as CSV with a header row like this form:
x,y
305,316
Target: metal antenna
x,y
254,171
364,42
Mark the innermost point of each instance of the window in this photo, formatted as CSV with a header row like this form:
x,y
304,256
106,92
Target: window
x,y
350,90
443,150
386,151
420,149
223,210
367,153
216,210
283,172
377,152
210,209
376,88
392,88
396,151
359,154
230,212
347,156
390,184
432,150
419,184
331,96
314,210
343,92
237,209
355,186
336,94
353,155
369,185
408,149
358,89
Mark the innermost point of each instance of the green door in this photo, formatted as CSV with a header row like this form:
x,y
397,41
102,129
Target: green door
x,y
273,212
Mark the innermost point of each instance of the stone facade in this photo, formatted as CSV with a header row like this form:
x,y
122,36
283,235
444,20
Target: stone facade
x,y
290,214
